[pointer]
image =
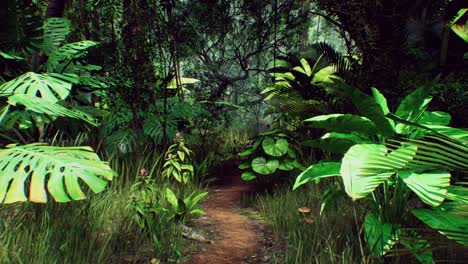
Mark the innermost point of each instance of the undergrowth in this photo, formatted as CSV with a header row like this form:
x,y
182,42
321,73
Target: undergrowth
x,y
101,229
310,238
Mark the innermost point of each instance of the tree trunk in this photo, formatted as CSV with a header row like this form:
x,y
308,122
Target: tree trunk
x,y
55,8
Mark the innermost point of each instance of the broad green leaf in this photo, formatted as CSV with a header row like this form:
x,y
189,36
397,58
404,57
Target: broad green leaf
x,y
248,176
245,165
345,123
55,31
457,133
380,237
51,87
287,164
181,155
414,105
10,56
67,53
246,153
275,148
182,81
306,66
322,77
431,187
197,212
435,118
320,170
335,142
262,166
367,106
284,76
446,223
300,70
364,167
292,153
36,112
172,199
36,166
380,100
279,63
459,194
191,202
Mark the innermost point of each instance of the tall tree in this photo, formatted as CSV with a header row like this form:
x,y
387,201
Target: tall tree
x,y
229,41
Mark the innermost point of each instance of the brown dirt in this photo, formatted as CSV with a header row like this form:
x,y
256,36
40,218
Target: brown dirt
x,y
236,238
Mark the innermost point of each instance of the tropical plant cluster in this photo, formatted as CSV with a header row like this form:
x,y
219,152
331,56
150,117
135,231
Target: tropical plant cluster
x,y
346,119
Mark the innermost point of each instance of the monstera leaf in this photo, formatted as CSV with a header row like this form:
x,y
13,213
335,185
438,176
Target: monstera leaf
x,y
55,31
262,166
68,52
275,148
52,87
36,168
29,111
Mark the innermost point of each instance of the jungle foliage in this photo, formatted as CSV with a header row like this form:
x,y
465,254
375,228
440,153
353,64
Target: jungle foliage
x,y
129,108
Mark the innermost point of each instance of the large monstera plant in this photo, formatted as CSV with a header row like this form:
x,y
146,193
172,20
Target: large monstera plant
x,y
32,100
393,159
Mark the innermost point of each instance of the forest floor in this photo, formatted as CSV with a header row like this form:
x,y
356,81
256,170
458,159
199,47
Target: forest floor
x,y
237,234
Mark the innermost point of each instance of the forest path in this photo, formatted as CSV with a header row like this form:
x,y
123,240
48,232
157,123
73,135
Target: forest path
x,y
237,236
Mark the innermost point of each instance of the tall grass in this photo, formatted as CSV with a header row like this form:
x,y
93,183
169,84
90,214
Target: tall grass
x,y
100,229
310,238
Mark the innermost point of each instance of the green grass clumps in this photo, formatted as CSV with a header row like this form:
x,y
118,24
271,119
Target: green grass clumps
x,y
100,229
310,238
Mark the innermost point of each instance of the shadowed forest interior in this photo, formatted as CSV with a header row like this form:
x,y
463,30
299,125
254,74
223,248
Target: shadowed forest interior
x,y
245,131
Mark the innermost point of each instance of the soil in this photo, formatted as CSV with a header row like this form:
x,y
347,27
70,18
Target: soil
x,y
237,237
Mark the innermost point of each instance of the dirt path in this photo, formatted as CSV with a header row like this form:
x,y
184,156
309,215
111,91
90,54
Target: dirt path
x,y
236,237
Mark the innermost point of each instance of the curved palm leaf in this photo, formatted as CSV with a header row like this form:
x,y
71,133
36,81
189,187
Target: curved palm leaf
x,y
366,166
36,166
449,221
